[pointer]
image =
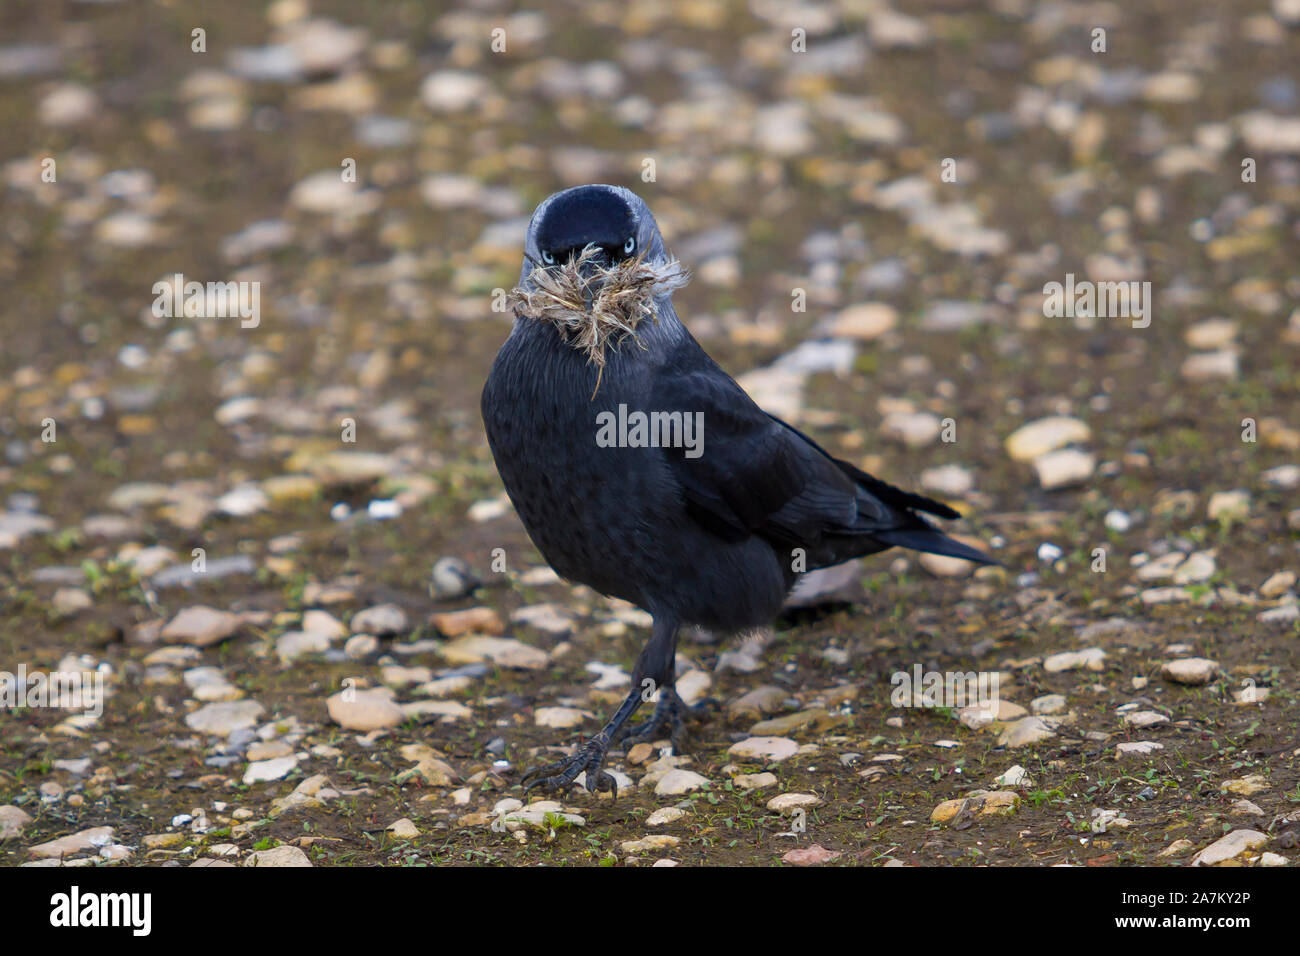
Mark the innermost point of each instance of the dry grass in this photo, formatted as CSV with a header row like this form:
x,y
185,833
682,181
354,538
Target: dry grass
x,y
596,306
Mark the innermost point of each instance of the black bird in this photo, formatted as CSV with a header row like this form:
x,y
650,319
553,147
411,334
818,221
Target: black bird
x,y
713,534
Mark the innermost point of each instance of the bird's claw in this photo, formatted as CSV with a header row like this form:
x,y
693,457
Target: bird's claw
x,y
560,775
671,713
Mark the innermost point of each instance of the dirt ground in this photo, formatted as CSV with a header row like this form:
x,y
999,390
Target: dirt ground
x,y
820,171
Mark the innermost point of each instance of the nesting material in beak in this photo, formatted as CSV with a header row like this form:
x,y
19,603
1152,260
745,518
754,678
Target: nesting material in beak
x,y
594,305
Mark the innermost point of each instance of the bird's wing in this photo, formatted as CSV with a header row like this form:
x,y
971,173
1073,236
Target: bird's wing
x,y
747,469
755,475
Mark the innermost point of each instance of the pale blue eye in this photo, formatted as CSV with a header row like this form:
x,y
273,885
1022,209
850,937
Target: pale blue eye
x,y
548,258
629,245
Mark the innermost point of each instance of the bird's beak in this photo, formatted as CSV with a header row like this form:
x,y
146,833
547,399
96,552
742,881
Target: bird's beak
x,y
593,264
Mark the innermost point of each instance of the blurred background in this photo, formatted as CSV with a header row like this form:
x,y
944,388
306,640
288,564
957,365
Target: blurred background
x,y
871,197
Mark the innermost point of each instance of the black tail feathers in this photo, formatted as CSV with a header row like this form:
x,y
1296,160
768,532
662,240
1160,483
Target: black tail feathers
x,y
933,541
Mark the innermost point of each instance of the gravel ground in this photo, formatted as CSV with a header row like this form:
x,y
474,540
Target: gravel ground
x,y
277,543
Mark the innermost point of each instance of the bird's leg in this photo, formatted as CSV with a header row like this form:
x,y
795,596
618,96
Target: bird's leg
x,y
588,758
654,668
669,719
671,712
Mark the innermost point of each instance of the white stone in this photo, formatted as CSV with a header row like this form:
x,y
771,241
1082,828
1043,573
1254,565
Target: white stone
x,y
1093,659
1048,704
274,769
201,626
664,816
381,620
364,710
1190,670
1277,584
295,644
1015,776
772,749
1064,468
1026,731
403,829
12,821
452,91
1032,441
1145,718
787,802
1229,847
951,481
1137,747
913,429
678,781
220,719
1198,568
278,857
561,717
1230,505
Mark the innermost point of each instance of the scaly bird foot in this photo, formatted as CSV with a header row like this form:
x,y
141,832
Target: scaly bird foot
x,y
590,757
671,714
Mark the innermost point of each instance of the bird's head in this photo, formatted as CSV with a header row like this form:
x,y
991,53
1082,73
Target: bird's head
x,y
612,220
594,267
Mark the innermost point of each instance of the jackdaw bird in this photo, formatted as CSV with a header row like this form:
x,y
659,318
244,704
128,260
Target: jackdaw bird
x,y
709,529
